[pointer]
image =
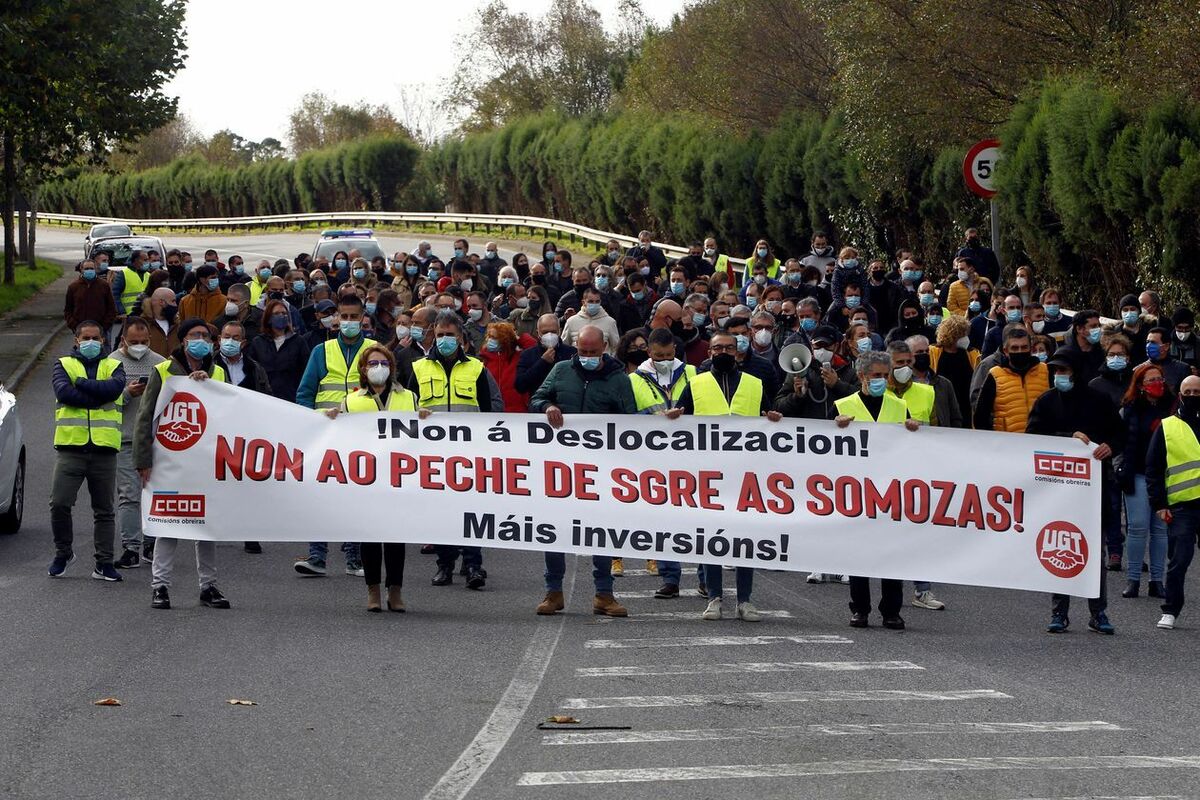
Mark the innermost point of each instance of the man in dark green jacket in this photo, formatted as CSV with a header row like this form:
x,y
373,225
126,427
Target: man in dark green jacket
x,y
589,383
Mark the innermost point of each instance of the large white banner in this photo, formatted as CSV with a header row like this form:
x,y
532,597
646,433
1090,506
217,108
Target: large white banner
x,y
950,506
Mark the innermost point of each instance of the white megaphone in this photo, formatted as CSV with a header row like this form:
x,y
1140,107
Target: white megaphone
x,y
795,358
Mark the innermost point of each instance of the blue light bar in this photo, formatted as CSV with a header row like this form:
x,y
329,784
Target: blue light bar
x,y
339,234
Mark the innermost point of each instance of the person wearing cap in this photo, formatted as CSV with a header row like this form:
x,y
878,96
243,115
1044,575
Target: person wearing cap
x,y
871,403
205,301
1133,326
1012,386
194,359
325,327
1072,409
1173,489
812,392
1183,339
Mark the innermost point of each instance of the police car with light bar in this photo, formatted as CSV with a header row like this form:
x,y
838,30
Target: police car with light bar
x,y
361,239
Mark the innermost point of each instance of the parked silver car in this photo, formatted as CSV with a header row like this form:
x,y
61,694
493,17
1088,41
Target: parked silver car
x,y
12,464
104,230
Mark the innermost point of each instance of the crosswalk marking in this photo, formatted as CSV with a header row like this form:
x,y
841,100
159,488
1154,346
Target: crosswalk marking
x,y
762,698
663,616
865,767
711,641
830,729
720,669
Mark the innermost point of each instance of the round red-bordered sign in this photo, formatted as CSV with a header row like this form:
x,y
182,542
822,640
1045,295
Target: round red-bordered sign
x,y
182,422
1062,549
979,167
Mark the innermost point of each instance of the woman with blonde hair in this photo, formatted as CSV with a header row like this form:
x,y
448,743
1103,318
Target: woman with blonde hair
x,y
953,358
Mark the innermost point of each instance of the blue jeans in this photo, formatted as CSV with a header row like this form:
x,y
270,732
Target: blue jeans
x,y
744,579
556,567
1185,522
1143,523
922,586
670,572
318,550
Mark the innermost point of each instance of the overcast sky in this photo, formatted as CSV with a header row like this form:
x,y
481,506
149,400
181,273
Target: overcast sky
x,y
243,71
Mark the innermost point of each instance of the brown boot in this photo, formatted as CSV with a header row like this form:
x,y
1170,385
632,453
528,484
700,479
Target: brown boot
x,y
395,602
551,604
607,605
373,597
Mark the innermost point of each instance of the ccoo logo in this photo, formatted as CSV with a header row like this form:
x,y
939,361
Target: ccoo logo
x,y
182,422
1062,549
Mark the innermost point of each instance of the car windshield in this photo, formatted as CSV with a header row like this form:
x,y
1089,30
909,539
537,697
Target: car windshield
x,y
119,253
369,248
100,231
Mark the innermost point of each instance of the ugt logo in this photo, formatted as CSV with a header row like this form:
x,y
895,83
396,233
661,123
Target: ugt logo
x,y
1062,549
182,422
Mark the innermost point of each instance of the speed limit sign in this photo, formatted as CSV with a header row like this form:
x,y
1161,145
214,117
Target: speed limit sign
x,y
979,167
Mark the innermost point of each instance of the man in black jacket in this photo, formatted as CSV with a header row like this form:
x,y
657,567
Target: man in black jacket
x,y
1170,485
535,363
1073,409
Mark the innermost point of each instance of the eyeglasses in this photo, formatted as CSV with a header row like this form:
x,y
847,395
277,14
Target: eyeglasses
x,y
722,348
378,363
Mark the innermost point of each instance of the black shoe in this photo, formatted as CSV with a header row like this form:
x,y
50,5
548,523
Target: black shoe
x,y
253,547
213,598
444,576
667,591
428,549
702,590
464,571
476,579
1156,589
128,560
160,598
858,620
1114,562
148,550
1131,589
895,623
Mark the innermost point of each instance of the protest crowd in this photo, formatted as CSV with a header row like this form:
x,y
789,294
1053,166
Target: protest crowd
x,y
631,331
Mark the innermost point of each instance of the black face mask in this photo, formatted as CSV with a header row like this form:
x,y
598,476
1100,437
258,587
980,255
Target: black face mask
x,y
537,280
911,323
921,362
635,356
169,312
1190,405
973,241
724,362
274,295
678,329
580,288
878,274
788,320
1021,361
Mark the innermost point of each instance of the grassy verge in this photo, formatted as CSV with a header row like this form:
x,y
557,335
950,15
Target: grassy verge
x,y
29,281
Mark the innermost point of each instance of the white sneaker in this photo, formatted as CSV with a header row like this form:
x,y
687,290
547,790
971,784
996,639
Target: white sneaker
x,y
926,600
1167,622
713,612
747,611
816,577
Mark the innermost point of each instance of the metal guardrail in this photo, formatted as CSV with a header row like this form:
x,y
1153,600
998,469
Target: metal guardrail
x,y
367,217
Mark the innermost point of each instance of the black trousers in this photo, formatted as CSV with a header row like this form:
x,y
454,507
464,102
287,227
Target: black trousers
x,y
1061,603
447,554
375,555
891,596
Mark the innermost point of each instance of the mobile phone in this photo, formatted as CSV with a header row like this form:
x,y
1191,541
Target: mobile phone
x,y
142,379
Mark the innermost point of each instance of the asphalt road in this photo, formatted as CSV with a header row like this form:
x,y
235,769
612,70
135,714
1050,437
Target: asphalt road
x,y
443,702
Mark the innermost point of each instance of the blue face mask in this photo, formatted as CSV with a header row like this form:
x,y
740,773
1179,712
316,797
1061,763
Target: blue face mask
x,y
935,320
339,262
589,362
417,333
751,301
912,275
850,263
853,301
638,295
558,267
240,269
89,274
1129,317
1153,350
299,286
794,277
864,345
676,287
1051,310
974,306
212,264
458,252
447,345
926,299
90,348
602,282
1117,363
158,265
1012,315
213,283
492,346
230,347
1043,356
199,349
698,320
506,282
808,324
434,274
1093,335
1063,383
350,329
876,387
411,269
371,307
264,273
593,309
762,252
360,274
743,342
548,256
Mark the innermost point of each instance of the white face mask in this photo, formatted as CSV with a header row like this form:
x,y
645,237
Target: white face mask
x,y
1038,326
902,374
964,343
138,350
549,340
466,284
328,322
231,309
378,376
1183,336
664,367
1021,283
523,302
762,337
822,355
963,274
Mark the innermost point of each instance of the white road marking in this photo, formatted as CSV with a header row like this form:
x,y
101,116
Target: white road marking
x,y
474,761
711,641
831,729
721,669
873,766
763,698
660,616
1115,797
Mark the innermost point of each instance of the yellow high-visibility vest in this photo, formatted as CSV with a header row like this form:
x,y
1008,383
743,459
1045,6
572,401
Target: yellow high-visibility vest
x,y
75,427
708,399
649,394
135,286
1183,461
164,371
918,398
366,401
340,378
458,393
892,410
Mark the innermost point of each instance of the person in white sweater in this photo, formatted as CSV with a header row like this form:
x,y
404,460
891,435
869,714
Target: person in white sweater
x,y
592,313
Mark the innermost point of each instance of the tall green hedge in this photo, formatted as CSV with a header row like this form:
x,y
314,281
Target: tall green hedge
x,y
369,174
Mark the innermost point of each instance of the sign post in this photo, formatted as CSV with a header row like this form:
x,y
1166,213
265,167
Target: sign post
x,y
979,170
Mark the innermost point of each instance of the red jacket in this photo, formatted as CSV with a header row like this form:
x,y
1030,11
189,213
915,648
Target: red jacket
x,y
504,370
